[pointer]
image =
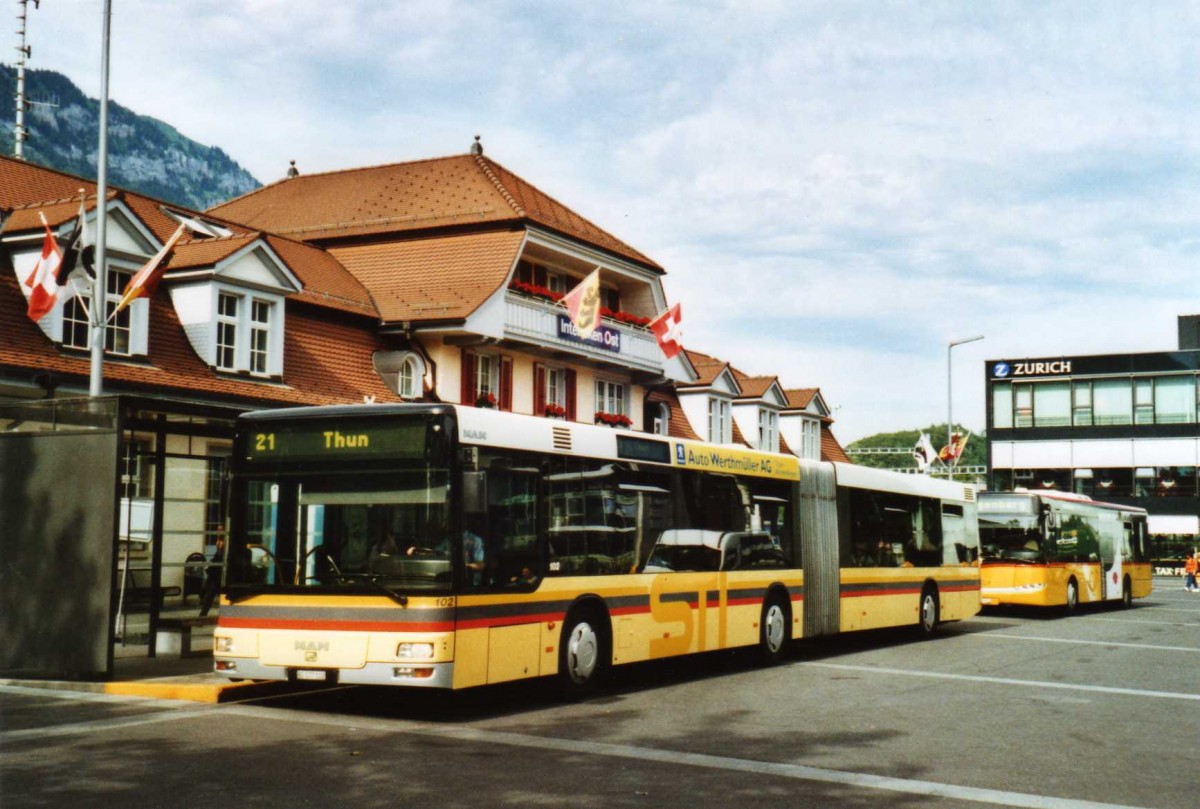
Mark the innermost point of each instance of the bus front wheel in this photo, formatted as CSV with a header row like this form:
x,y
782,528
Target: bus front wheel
x,y
1072,597
582,655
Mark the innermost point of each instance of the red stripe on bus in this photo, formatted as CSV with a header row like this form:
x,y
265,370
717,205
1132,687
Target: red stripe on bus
x,y
897,591
348,626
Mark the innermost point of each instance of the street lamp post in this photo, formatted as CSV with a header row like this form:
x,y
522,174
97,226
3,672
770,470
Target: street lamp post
x,y
949,387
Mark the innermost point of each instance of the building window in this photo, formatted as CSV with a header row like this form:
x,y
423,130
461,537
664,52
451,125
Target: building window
x,y
247,334
660,421
1112,402
117,332
1023,401
487,377
1174,400
810,439
611,397
260,337
1143,401
410,378
720,427
1052,404
1081,404
1002,406
556,387
768,430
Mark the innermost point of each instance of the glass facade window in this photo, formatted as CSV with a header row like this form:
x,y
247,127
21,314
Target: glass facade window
x,y
1143,401
1002,406
1052,404
1023,400
1174,400
1112,401
1081,405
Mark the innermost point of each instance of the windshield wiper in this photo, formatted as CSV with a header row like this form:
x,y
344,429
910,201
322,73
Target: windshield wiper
x,y
373,580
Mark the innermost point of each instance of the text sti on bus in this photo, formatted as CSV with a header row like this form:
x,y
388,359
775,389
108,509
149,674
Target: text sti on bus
x,y
1056,549
448,546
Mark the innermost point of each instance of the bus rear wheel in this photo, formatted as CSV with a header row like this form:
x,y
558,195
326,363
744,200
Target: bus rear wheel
x,y
929,612
1127,594
583,657
773,630
1072,597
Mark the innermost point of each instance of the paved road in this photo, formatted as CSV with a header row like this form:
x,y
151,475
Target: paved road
x,y
1014,709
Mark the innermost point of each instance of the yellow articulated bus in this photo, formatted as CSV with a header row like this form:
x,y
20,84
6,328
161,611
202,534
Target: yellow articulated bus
x,y
1057,549
450,547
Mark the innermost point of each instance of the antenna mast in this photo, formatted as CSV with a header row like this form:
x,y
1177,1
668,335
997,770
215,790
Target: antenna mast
x,y
23,53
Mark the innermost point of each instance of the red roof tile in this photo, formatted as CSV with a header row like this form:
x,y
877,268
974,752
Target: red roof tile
x,y
441,278
422,195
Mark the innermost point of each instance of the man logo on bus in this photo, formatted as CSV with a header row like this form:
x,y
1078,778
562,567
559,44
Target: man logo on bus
x,y
1000,370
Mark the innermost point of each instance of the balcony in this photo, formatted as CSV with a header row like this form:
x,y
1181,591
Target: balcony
x,y
546,324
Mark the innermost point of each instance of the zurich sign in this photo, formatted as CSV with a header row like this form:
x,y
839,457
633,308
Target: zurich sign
x,y
1000,370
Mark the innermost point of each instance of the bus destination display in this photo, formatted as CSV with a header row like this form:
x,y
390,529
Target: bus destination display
x,y
336,440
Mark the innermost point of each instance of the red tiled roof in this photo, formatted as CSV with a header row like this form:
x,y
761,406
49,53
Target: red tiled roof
x,y
30,191
327,361
800,398
707,369
440,278
422,195
678,425
831,448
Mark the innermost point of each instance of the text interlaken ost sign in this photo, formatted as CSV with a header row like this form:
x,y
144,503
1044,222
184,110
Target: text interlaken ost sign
x,y
604,337
1006,369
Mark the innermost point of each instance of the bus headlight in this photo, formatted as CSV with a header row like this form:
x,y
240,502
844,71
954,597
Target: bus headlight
x,y
223,644
415,651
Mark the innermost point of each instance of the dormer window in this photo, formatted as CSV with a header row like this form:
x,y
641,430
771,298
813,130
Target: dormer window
x,y
811,439
248,336
119,331
199,227
720,421
768,430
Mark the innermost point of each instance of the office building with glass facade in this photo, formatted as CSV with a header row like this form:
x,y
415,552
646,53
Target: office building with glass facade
x,y
1120,428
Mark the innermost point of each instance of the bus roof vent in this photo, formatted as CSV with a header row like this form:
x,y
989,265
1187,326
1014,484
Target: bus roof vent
x,y
969,494
562,438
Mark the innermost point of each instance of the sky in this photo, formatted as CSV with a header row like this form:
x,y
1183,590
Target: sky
x,y
837,190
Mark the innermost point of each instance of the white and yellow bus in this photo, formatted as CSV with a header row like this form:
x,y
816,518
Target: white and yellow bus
x,y
1057,549
447,546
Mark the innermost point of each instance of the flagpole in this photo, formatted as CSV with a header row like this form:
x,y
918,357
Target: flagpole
x,y
100,284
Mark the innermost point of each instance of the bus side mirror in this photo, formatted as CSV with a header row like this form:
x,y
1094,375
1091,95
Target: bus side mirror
x,y
474,499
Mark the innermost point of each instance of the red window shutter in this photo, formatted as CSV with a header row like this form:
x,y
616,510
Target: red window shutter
x,y
468,378
570,375
539,389
506,383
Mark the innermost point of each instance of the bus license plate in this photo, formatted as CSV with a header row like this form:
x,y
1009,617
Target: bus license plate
x,y
311,674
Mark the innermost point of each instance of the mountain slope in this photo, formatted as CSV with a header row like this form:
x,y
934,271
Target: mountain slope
x,y
144,154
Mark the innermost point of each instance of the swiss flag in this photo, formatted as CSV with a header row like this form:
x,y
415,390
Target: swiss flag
x,y
668,330
43,281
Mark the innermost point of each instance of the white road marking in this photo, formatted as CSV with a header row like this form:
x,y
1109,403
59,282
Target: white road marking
x,y
1152,623
1155,647
1102,689
798,772
99,725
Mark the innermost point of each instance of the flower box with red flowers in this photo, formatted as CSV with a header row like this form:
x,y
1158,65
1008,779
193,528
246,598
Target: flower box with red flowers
x,y
554,411
485,400
613,419
536,291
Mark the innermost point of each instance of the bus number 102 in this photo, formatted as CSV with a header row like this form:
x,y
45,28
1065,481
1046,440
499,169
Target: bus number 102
x,y
264,442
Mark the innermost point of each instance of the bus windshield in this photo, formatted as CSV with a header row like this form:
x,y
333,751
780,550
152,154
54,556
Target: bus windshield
x,y
1009,537
377,529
